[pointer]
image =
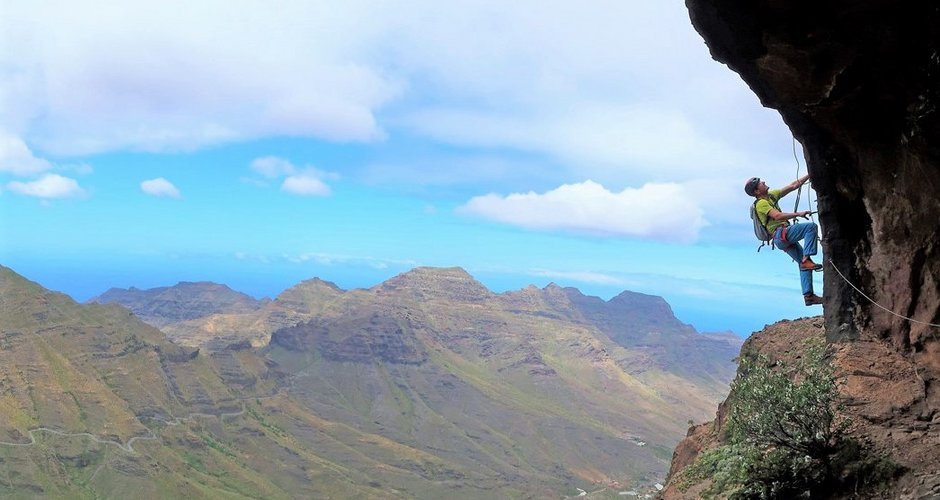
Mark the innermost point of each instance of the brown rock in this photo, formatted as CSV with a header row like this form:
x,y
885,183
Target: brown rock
x,y
858,84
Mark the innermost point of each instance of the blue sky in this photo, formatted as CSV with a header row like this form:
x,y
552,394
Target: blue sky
x,y
594,145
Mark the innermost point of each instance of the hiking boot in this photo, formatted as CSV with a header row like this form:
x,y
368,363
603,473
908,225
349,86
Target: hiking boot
x,y
809,265
811,299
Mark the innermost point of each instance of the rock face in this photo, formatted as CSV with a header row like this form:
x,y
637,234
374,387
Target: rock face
x,y
373,338
859,85
646,324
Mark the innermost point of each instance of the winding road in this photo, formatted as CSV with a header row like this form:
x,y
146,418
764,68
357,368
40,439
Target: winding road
x,y
129,446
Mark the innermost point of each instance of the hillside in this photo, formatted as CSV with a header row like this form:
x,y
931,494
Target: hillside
x,y
427,385
884,396
446,339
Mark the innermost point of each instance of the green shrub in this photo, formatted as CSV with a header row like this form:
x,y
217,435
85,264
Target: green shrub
x,y
785,438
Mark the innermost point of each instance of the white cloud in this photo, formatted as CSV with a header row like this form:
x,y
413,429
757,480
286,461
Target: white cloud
x,y
176,75
305,185
616,91
664,212
605,141
160,187
302,181
273,167
607,86
48,186
17,159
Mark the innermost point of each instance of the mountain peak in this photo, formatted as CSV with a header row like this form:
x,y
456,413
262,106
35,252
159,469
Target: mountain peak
x,y
183,301
448,283
628,297
316,284
568,292
9,278
19,296
302,295
201,285
455,272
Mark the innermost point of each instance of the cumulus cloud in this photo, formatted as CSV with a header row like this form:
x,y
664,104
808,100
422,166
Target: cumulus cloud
x,y
17,159
301,181
607,86
305,185
160,187
48,186
602,140
619,91
174,75
663,212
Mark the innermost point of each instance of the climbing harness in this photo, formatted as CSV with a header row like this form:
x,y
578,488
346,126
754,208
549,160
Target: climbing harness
x,y
784,242
912,320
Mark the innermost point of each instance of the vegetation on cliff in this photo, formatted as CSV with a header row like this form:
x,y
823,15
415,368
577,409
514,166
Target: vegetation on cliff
x,y
786,435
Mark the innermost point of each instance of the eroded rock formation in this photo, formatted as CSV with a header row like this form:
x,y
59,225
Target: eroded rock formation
x,y
858,83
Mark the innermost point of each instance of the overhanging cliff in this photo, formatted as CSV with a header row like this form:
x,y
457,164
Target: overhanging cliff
x,y
858,83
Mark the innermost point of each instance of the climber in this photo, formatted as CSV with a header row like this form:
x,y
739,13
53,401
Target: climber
x,y
785,235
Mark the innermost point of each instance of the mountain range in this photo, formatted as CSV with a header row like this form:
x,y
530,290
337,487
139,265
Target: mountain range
x,y
426,385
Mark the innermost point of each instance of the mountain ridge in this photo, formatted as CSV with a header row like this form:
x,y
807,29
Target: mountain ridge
x,y
413,398
186,300
647,312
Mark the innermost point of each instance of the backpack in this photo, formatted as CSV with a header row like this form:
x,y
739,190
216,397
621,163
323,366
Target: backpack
x,y
760,231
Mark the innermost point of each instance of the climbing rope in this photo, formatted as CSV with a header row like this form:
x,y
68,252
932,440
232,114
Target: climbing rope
x,y
809,194
912,320
799,190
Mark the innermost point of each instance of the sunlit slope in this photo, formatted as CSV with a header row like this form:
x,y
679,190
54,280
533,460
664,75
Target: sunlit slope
x,y
501,385
96,404
86,368
426,386
92,398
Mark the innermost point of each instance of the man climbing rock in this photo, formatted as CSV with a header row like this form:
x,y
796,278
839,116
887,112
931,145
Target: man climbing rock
x,y
786,235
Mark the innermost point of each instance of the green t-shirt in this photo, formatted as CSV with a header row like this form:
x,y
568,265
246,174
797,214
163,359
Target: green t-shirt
x,y
763,210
